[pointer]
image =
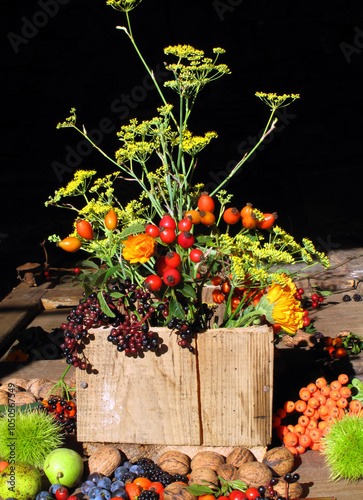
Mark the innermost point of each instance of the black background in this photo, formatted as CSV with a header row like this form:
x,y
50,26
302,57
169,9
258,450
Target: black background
x,y
55,56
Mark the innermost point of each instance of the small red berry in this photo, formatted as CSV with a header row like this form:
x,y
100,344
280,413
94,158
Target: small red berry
x,y
300,291
153,282
172,259
62,493
196,255
152,230
314,297
171,277
167,235
185,239
167,221
76,270
185,225
306,321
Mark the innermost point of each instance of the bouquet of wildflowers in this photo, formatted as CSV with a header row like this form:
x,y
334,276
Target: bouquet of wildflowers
x,y
151,260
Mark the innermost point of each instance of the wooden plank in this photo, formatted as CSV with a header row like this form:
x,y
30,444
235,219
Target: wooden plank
x,y
46,369
61,297
336,315
149,400
236,385
17,310
222,396
314,477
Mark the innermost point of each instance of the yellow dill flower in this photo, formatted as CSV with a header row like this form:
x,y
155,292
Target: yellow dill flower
x,y
306,257
308,244
275,101
165,110
191,78
77,186
138,151
123,5
70,121
237,270
193,144
184,52
323,259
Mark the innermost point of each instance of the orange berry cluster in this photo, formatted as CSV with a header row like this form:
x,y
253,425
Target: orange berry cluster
x,y
320,404
334,347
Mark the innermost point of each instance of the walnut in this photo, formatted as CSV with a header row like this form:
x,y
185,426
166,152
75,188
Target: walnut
x,y
280,460
254,474
105,460
239,456
177,491
294,489
174,462
201,475
22,398
227,472
210,459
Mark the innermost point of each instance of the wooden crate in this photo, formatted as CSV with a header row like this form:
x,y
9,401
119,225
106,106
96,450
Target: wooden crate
x,y
220,396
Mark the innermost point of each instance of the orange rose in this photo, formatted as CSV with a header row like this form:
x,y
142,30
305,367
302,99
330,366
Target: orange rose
x,y
138,248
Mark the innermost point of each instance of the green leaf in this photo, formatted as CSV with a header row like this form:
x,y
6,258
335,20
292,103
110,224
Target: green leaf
x,y
88,263
88,290
188,291
111,271
104,306
205,240
176,309
100,278
134,229
199,489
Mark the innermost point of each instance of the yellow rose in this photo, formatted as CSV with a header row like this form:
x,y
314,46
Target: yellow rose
x,y
139,248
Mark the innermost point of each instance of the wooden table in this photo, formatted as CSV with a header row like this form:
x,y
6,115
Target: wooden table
x,y
46,308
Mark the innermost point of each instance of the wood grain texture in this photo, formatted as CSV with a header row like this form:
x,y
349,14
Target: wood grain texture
x,y
62,297
150,399
236,386
222,396
16,312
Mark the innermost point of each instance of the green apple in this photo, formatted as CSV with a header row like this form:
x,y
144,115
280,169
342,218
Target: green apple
x,y
21,481
64,466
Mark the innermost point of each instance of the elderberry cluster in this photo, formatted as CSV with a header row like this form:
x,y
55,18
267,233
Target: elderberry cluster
x,y
63,411
185,331
153,472
86,315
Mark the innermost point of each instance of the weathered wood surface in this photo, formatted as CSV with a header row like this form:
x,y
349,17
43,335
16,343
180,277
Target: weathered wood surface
x,y
17,310
222,396
61,297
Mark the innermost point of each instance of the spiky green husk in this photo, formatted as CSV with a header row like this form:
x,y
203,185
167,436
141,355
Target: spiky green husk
x,y
344,448
28,436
